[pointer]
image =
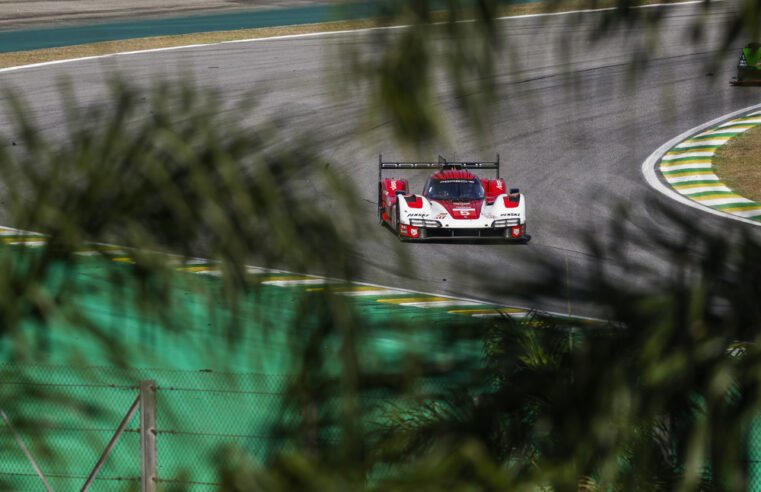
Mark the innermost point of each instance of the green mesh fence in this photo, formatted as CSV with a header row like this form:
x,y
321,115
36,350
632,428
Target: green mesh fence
x,y
68,424
217,388
66,418
221,374
753,450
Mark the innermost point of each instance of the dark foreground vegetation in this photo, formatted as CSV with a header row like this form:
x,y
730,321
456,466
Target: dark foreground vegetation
x,y
661,395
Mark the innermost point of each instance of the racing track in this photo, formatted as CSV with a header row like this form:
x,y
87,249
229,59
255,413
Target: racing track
x,y
572,130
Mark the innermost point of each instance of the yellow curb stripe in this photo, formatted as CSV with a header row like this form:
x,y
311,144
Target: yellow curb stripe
x,y
697,160
690,172
686,150
29,239
713,184
286,277
495,311
406,300
359,288
361,291
739,208
197,269
715,196
704,171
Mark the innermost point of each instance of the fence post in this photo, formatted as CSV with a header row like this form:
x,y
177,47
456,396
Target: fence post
x,y
148,461
26,451
111,444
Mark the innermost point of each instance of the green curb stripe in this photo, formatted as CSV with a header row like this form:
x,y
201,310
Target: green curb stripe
x,y
683,150
687,172
718,134
748,117
742,125
708,193
738,206
701,166
703,182
675,160
715,136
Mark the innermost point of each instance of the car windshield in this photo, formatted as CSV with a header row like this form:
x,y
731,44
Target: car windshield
x,y
454,189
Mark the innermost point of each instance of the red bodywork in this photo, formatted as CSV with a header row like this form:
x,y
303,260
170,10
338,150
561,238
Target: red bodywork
x,y
387,195
390,190
493,188
465,207
462,210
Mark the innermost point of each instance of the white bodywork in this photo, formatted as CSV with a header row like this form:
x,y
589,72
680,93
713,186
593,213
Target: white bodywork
x,y
490,212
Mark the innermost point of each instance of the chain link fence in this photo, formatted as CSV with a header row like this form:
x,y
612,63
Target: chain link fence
x,y
67,424
66,416
753,456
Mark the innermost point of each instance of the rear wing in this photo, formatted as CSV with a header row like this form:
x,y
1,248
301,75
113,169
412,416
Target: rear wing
x,y
441,164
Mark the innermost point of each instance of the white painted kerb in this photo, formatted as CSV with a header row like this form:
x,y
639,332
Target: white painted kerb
x,y
648,167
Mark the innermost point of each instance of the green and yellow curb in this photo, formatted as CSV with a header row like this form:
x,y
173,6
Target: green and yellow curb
x,y
688,169
366,293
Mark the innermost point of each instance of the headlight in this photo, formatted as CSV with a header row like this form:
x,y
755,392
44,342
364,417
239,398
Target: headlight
x,y
424,223
501,223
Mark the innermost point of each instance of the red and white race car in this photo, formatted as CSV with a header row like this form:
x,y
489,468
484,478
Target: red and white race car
x,y
455,203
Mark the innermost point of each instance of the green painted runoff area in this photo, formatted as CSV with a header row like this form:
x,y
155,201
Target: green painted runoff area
x,y
222,374
41,38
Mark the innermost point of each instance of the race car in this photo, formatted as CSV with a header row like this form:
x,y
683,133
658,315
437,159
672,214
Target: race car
x,y
454,204
749,66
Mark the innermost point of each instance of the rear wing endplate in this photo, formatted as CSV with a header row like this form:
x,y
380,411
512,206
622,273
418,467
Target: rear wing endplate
x,y
442,163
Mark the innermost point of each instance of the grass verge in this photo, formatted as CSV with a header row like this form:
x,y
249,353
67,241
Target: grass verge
x,y
96,49
738,164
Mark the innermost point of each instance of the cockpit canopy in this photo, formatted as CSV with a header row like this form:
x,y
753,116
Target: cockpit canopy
x,y
454,189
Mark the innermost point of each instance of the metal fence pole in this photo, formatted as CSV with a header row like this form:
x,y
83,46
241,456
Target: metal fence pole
x,y
26,451
111,445
148,461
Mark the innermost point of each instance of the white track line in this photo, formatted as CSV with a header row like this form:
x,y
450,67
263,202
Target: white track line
x,y
322,280
649,165
315,34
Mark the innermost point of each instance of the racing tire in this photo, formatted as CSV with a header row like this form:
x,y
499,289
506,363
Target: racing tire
x,y
395,221
380,206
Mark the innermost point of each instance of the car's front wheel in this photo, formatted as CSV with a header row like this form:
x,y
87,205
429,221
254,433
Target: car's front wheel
x,y
395,220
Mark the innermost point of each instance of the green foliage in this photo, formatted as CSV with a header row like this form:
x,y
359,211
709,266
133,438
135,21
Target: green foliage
x,y
454,40
165,174
655,401
652,400
168,170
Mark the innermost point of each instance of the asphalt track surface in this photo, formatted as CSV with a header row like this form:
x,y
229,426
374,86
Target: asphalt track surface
x,y
573,128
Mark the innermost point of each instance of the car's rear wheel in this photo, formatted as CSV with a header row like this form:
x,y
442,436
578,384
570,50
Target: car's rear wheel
x,y
380,205
395,220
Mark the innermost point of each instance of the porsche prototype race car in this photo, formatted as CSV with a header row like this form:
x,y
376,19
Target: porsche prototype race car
x,y
455,203
749,66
